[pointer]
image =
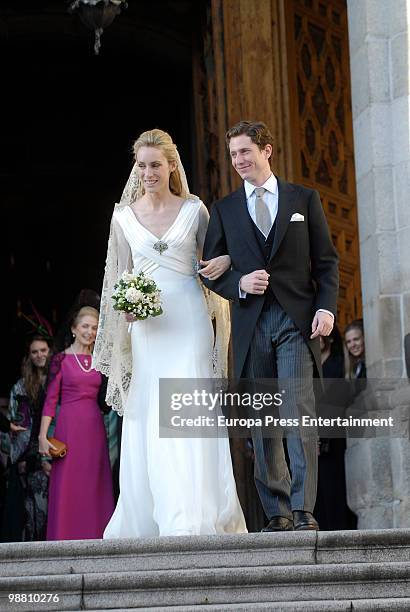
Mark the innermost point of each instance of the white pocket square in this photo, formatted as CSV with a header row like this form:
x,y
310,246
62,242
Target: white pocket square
x,y
297,217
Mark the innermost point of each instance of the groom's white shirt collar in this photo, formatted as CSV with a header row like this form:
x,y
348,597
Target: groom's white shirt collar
x,y
270,185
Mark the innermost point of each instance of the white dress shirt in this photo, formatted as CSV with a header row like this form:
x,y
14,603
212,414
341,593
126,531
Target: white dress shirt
x,y
270,197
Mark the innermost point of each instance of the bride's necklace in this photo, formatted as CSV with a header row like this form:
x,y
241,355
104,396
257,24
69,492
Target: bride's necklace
x,y
84,369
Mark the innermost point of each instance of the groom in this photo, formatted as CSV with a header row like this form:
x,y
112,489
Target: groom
x,y
283,284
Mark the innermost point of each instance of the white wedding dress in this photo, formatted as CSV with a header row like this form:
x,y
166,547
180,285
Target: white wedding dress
x,y
170,486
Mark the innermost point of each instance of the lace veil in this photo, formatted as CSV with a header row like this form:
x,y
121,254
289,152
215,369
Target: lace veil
x,y
112,350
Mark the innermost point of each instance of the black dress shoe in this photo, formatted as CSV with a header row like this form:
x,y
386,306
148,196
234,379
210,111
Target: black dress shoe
x,y
279,523
304,521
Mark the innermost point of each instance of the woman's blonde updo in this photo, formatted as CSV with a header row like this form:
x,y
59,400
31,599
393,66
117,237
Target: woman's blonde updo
x,y
162,141
85,311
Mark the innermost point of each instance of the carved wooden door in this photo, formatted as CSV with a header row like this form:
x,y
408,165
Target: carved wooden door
x,y
321,128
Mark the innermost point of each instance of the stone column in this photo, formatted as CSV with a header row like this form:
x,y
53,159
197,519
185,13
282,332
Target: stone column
x,y
378,471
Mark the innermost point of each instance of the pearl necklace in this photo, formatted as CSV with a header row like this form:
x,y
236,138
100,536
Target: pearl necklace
x,y
86,370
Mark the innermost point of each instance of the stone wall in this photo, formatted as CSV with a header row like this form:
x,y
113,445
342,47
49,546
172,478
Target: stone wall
x,y
378,470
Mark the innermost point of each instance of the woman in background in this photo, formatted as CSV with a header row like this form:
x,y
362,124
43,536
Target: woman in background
x,y
81,497
25,514
331,509
354,340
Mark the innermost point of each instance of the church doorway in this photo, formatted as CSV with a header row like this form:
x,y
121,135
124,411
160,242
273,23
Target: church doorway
x,y
69,121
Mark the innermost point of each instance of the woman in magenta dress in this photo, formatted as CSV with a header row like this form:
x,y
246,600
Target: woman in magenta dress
x,y
80,495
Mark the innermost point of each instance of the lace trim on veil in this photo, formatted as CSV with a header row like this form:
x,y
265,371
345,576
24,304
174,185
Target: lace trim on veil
x,y
112,350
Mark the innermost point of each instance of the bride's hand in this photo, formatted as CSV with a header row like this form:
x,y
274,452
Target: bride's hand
x,y
214,268
130,318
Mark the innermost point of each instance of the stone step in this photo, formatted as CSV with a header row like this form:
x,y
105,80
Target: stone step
x,y
163,589
204,552
328,605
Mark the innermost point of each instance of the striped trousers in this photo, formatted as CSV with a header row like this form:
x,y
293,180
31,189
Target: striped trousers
x,y
278,350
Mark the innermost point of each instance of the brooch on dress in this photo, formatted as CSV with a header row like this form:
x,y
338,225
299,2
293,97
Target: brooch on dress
x,y
160,246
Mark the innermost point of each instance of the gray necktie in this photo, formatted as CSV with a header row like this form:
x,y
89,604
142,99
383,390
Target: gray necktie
x,y
262,214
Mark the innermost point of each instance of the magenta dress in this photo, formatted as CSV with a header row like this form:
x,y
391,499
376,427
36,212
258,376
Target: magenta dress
x,y
80,495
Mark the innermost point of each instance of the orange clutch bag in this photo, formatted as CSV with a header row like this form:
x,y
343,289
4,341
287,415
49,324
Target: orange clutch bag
x,y
60,446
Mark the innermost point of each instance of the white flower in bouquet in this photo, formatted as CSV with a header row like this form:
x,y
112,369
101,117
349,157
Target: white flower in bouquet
x,y
133,295
137,294
127,277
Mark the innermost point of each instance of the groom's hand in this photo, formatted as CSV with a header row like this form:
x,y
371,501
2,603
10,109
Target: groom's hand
x,y
256,282
322,324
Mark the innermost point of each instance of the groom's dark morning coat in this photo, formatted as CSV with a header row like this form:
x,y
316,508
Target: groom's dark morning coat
x,y
303,264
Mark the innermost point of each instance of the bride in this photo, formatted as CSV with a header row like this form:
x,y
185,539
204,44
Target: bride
x,y
168,486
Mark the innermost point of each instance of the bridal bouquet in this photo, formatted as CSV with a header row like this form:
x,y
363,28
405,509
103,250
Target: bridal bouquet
x,y
138,295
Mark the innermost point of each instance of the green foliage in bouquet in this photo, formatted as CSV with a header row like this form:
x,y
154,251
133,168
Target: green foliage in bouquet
x,y
137,295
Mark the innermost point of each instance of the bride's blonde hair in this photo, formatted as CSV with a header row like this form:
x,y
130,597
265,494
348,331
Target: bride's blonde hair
x,y
162,141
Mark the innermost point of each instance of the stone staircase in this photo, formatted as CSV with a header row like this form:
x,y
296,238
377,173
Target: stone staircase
x,y
309,571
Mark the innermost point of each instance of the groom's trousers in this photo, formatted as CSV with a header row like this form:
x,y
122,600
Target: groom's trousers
x,y
278,350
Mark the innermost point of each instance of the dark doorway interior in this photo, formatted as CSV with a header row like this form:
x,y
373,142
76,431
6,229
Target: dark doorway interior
x,y
68,123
